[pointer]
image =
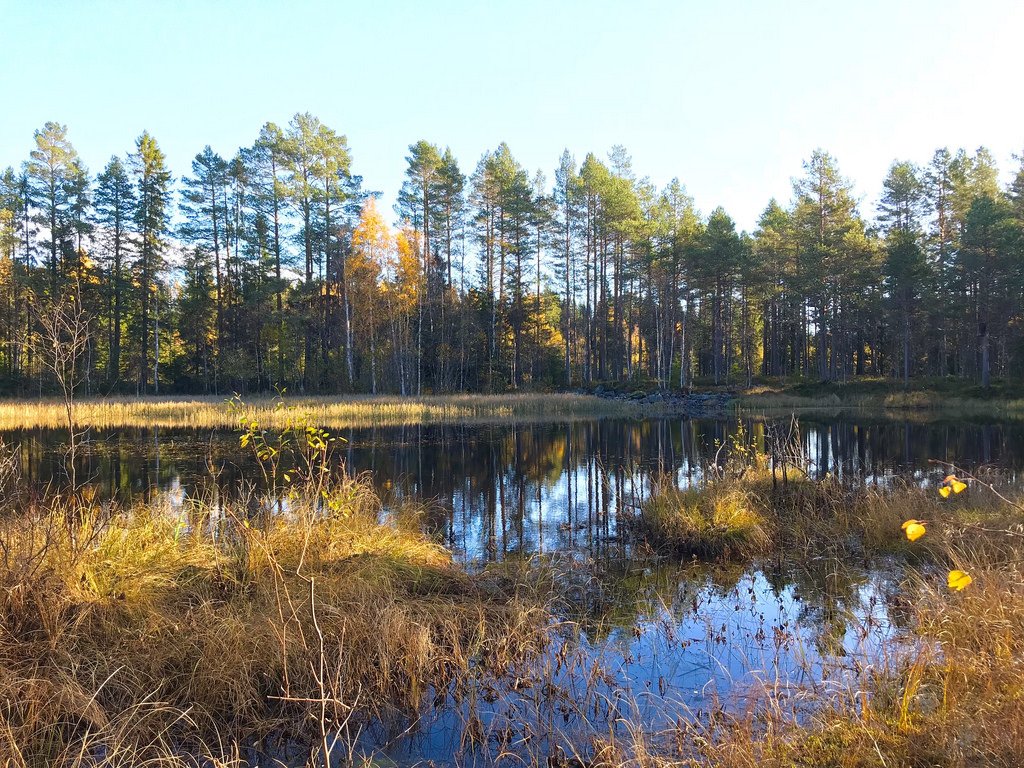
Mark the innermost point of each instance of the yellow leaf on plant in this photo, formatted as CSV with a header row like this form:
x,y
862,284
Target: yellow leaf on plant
x,y
958,580
944,491
914,529
958,486
950,479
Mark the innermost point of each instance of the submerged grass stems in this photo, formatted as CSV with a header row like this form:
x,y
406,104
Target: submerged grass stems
x,y
335,412
130,632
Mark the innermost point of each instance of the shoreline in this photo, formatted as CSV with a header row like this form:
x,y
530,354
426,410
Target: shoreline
x,y
367,411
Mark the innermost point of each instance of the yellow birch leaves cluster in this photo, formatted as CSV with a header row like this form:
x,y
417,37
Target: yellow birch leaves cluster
x,y
915,529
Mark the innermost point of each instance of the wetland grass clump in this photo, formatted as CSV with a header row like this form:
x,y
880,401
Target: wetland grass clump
x,y
709,522
125,632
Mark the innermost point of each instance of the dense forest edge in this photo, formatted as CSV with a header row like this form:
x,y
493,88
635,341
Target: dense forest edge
x,y
274,268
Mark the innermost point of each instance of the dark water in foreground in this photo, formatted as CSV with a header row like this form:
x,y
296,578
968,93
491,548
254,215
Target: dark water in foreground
x,y
660,641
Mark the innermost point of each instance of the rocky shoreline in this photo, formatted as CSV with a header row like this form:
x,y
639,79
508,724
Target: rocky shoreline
x,y
706,404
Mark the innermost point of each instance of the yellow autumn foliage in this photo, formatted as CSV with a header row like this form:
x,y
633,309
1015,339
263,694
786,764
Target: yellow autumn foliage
x,y
914,529
958,580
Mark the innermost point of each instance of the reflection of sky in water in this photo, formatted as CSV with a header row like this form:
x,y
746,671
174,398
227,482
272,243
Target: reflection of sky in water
x,y
667,642
683,656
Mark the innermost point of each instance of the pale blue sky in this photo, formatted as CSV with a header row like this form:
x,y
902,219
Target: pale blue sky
x,y
729,97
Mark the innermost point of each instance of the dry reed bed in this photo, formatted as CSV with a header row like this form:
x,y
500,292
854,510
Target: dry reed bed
x,y
152,636
332,412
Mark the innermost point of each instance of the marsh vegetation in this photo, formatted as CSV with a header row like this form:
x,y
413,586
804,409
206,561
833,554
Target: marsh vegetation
x,y
599,593
353,411
928,398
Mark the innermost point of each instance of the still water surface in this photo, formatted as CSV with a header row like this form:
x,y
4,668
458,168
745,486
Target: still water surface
x,y
516,490
661,640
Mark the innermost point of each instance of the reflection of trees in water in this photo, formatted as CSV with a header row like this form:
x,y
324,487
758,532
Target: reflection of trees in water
x,y
619,595
828,601
836,597
828,593
503,490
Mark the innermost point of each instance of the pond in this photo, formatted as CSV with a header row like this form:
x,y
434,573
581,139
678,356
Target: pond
x,y
657,641
498,491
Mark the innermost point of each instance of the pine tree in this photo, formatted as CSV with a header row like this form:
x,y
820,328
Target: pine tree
x,y
115,206
900,210
828,230
152,219
986,253
205,225
53,171
566,216
267,160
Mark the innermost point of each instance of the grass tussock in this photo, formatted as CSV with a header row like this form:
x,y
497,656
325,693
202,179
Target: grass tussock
x,y
710,522
155,633
350,411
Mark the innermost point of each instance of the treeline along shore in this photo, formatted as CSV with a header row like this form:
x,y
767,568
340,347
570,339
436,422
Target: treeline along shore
x,y
273,267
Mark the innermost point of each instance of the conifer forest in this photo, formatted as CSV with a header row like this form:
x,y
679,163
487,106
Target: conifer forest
x,y
274,267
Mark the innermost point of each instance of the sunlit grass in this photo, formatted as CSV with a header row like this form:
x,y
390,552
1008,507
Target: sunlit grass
x,y
707,522
135,631
333,412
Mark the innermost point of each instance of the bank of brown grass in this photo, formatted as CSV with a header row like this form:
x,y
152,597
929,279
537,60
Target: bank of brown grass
x,y
155,633
928,398
334,412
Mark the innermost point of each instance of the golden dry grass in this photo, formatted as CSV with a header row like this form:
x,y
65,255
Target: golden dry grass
x,y
332,412
136,631
711,522
766,400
